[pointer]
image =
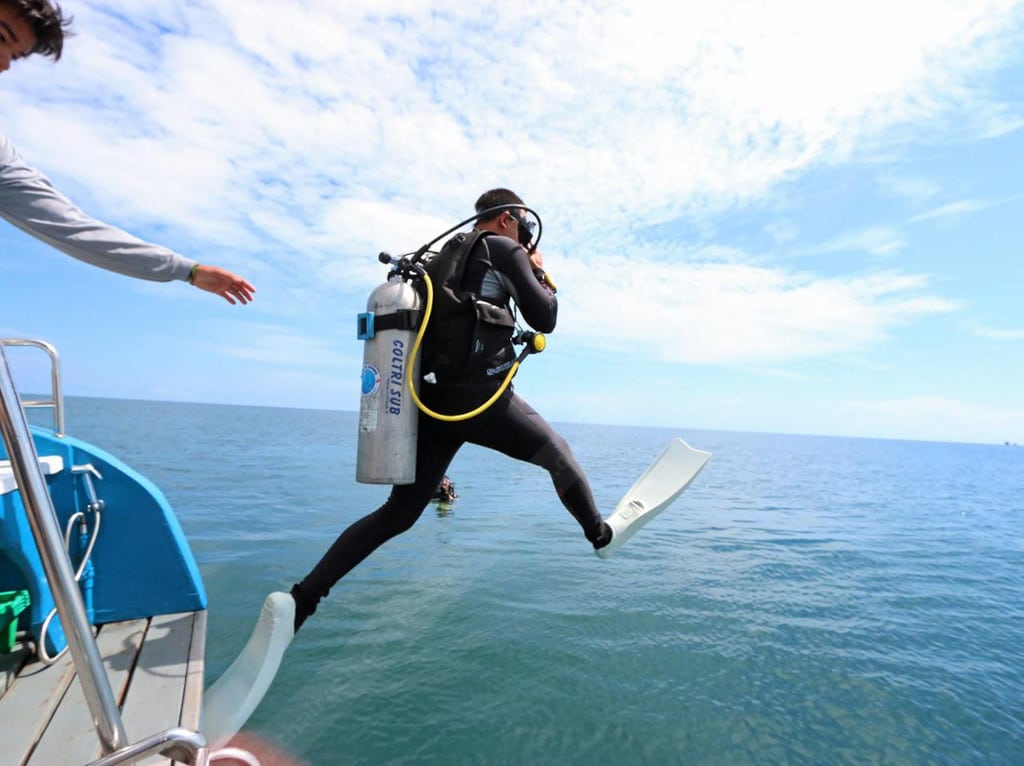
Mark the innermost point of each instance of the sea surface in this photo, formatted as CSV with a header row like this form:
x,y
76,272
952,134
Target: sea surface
x,y
809,600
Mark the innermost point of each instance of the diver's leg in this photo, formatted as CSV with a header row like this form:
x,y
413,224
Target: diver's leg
x,y
514,428
403,507
237,692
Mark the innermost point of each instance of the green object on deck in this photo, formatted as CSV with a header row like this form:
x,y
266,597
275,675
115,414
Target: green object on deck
x,y
12,603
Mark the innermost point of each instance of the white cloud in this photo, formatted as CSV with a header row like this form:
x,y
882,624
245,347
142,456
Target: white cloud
x,y
915,189
874,240
732,313
311,137
951,209
699,105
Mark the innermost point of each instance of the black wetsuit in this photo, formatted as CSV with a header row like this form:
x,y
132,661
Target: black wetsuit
x,y
499,269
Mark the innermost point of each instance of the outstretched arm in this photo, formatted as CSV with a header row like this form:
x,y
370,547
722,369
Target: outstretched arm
x,y
29,201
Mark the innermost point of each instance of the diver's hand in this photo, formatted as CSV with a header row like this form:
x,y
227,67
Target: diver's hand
x,y
537,263
222,282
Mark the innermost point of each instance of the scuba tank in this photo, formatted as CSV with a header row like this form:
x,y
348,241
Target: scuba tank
x,y
392,333
386,451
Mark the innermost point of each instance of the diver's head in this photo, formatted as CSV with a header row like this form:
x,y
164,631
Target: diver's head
x,y
510,221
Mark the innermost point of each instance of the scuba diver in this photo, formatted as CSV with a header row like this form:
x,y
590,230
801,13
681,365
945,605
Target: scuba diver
x,y
445,492
466,355
466,338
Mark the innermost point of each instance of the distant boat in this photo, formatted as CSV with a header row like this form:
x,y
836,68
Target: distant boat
x,y
135,621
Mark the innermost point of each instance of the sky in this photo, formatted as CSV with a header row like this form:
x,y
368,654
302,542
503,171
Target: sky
x,y
790,217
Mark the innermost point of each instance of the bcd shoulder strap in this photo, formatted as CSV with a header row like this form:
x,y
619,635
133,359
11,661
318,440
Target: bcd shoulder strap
x,y
447,270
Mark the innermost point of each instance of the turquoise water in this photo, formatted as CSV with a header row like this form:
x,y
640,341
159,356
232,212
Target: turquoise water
x,y
808,600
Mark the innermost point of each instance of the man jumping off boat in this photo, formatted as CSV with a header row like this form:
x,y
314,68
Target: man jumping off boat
x,y
29,200
498,270
467,354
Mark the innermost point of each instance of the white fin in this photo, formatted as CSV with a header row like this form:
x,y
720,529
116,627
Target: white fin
x,y
662,482
233,697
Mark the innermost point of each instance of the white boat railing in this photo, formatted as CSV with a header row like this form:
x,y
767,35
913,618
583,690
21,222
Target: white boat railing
x,y
56,399
182,744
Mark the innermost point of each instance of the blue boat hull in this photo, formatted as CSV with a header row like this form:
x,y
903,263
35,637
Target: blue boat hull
x,y
141,564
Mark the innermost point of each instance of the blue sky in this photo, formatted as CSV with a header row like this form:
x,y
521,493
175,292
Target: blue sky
x,y
798,216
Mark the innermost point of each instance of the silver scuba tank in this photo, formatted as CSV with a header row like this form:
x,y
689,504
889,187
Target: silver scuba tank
x,y
388,417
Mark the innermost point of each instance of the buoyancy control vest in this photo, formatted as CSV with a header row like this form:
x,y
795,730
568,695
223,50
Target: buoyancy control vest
x,y
468,340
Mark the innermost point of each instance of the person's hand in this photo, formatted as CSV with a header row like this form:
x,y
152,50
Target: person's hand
x,y
537,263
230,287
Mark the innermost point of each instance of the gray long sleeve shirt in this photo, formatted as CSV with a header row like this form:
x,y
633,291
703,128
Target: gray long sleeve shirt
x,y
29,201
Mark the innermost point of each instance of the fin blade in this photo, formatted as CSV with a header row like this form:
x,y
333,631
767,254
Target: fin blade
x,y
233,697
663,481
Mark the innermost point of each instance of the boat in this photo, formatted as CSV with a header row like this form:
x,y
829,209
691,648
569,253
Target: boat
x,y
102,607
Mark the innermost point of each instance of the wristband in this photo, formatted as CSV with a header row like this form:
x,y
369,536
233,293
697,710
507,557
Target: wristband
x,y
192,274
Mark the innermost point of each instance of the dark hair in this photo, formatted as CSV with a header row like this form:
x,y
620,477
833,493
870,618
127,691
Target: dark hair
x,y
48,23
494,198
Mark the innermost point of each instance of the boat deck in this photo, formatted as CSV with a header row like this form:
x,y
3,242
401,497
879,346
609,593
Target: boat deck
x,y
155,667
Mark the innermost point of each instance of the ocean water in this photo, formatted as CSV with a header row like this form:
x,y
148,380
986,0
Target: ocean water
x,y
809,600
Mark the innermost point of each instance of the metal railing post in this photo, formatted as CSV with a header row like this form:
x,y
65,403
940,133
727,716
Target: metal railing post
x,y
56,399
67,598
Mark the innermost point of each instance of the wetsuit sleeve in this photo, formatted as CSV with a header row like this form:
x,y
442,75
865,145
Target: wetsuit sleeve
x,y
29,201
537,304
